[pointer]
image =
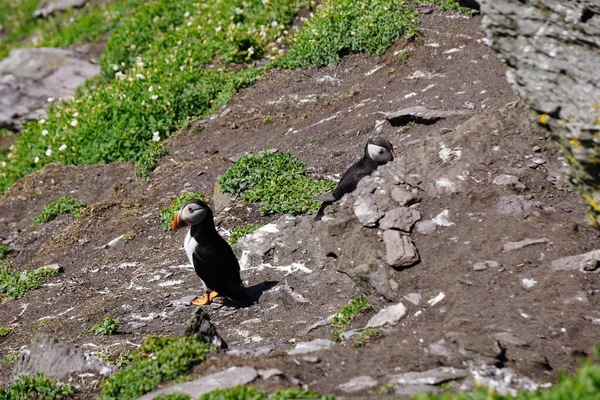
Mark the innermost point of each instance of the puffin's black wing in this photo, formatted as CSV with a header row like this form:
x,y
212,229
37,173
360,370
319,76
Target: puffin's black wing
x,y
352,176
218,267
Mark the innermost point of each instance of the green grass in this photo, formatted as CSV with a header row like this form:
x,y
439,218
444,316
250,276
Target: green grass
x,y
168,213
365,337
149,159
64,205
5,331
36,387
249,393
240,231
174,396
341,320
14,285
108,326
4,250
10,359
155,361
276,181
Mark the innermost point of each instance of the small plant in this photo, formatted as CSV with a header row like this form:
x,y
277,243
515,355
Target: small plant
x,y
149,159
403,56
389,71
37,326
128,237
36,387
5,331
4,250
174,396
155,361
240,231
250,393
13,285
62,206
386,389
341,320
108,326
10,359
168,213
406,127
277,181
268,120
365,336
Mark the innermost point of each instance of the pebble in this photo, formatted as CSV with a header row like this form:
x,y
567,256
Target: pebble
x,y
358,384
390,315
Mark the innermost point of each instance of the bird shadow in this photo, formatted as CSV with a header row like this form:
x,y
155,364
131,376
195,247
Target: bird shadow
x,y
254,294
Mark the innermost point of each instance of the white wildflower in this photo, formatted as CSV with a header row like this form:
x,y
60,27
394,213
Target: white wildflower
x,y
274,24
139,76
48,152
50,99
36,160
76,114
74,123
151,88
265,2
218,29
187,14
250,51
156,136
119,75
115,67
3,163
239,11
62,147
44,132
42,121
154,97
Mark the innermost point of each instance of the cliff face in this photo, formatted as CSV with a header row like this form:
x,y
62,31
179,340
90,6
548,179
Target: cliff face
x,y
552,50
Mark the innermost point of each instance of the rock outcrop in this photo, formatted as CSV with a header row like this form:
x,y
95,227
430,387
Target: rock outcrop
x,y
552,50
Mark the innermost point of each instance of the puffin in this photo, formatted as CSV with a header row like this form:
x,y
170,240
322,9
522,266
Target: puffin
x,y
210,255
377,152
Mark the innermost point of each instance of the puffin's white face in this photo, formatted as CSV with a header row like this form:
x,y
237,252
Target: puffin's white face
x,y
192,213
379,154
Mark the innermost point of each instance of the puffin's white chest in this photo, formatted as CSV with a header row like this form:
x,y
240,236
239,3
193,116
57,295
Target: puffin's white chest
x,y
190,245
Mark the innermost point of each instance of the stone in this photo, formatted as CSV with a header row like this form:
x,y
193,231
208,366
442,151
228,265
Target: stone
x,y
511,246
55,267
528,283
59,360
226,379
483,265
137,325
401,218
586,262
403,197
434,376
117,242
367,212
358,384
184,301
421,114
400,250
580,297
508,180
312,346
314,326
269,373
199,325
260,351
346,336
414,298
390,315
513,205
49,7
509,338
311,359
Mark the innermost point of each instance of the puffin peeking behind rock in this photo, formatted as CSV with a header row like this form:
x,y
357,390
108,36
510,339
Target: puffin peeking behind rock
x,y
210,255
377,152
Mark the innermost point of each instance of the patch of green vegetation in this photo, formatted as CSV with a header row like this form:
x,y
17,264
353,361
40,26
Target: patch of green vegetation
x,y
4,250
62,206
149,159
386,389
240,231
155,361
277,181
174,396
365,336
168,213
108,326
250,393
10,359
341,320
450,5
128,237
37,326
403,56
406,127
5,331
157,74
268,120
342,26
13,285
36,387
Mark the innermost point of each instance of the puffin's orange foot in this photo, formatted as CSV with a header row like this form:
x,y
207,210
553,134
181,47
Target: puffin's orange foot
x,y
205,300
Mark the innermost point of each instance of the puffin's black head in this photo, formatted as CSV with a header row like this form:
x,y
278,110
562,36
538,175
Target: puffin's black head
x,y
192,213
380,150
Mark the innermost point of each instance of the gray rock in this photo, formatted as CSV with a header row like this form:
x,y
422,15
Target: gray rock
x,y
390,315
579,298
585,262
358,384
509,338
55,267
226,379
137,325
420,114
366,211
28,77
269,373
312,346
58,360
314,326
345,336
403,197
414,298
400,250
49,7
427,226
431,377
483,265
510,246
402,218
199,325
513,205
260,351
311,359
184,301
508,180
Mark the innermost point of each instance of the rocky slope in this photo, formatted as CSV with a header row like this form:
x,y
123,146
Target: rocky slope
x,y
468,230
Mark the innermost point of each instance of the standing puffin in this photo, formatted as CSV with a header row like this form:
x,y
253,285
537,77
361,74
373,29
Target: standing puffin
x,y
377,152
210,255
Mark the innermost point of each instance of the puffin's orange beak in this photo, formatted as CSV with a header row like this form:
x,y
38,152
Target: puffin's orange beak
x,y
175,224
393,155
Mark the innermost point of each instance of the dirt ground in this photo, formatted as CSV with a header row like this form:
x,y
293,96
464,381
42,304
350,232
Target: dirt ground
x,y
325,115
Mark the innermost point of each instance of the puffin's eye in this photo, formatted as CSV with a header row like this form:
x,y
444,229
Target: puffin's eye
x,y
380,151
190,209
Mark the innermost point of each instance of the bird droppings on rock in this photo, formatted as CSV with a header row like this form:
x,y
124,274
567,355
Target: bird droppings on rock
x,y
511,246
358,384
312,346
528,283
390,315
432,302
311,359
400,250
